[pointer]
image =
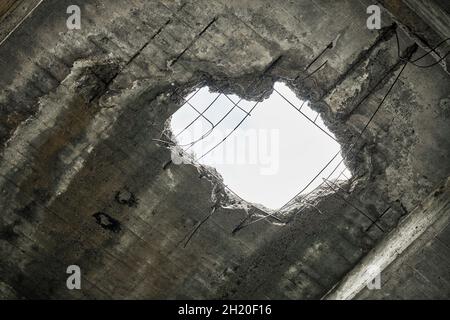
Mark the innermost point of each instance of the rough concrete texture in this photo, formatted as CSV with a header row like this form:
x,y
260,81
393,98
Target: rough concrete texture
x,y
425,219
421,271
83,182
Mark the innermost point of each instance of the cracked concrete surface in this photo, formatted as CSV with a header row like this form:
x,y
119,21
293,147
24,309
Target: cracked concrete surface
x,y
82,181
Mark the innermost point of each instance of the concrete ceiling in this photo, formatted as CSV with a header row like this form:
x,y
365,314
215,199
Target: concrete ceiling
x,y
82,181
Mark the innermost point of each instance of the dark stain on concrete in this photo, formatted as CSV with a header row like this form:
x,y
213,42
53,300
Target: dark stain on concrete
x,y
107,222
28,212
126,197
7,233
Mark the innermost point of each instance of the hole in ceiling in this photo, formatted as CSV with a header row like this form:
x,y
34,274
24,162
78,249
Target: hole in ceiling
x,y
278,149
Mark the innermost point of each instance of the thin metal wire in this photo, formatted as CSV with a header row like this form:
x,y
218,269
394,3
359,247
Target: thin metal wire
x,y
268,68
351,147
248,114
336,185
337,194
202,114
192,143
321,129
237,126
230,133
234,103
357,139
372,117
314,72
303,103
293,198
230,189
406,61
359,136
272,214
210,131
329,46
317,116
433,49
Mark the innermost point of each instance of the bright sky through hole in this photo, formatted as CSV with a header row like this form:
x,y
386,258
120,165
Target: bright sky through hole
x,y
274,153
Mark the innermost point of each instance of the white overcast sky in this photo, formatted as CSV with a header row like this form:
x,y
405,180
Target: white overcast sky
x,y
288,148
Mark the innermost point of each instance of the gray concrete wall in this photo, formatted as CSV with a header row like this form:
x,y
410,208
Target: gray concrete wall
x,y
79,110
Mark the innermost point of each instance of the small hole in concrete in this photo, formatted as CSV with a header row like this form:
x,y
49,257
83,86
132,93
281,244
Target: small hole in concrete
x,y
271,156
